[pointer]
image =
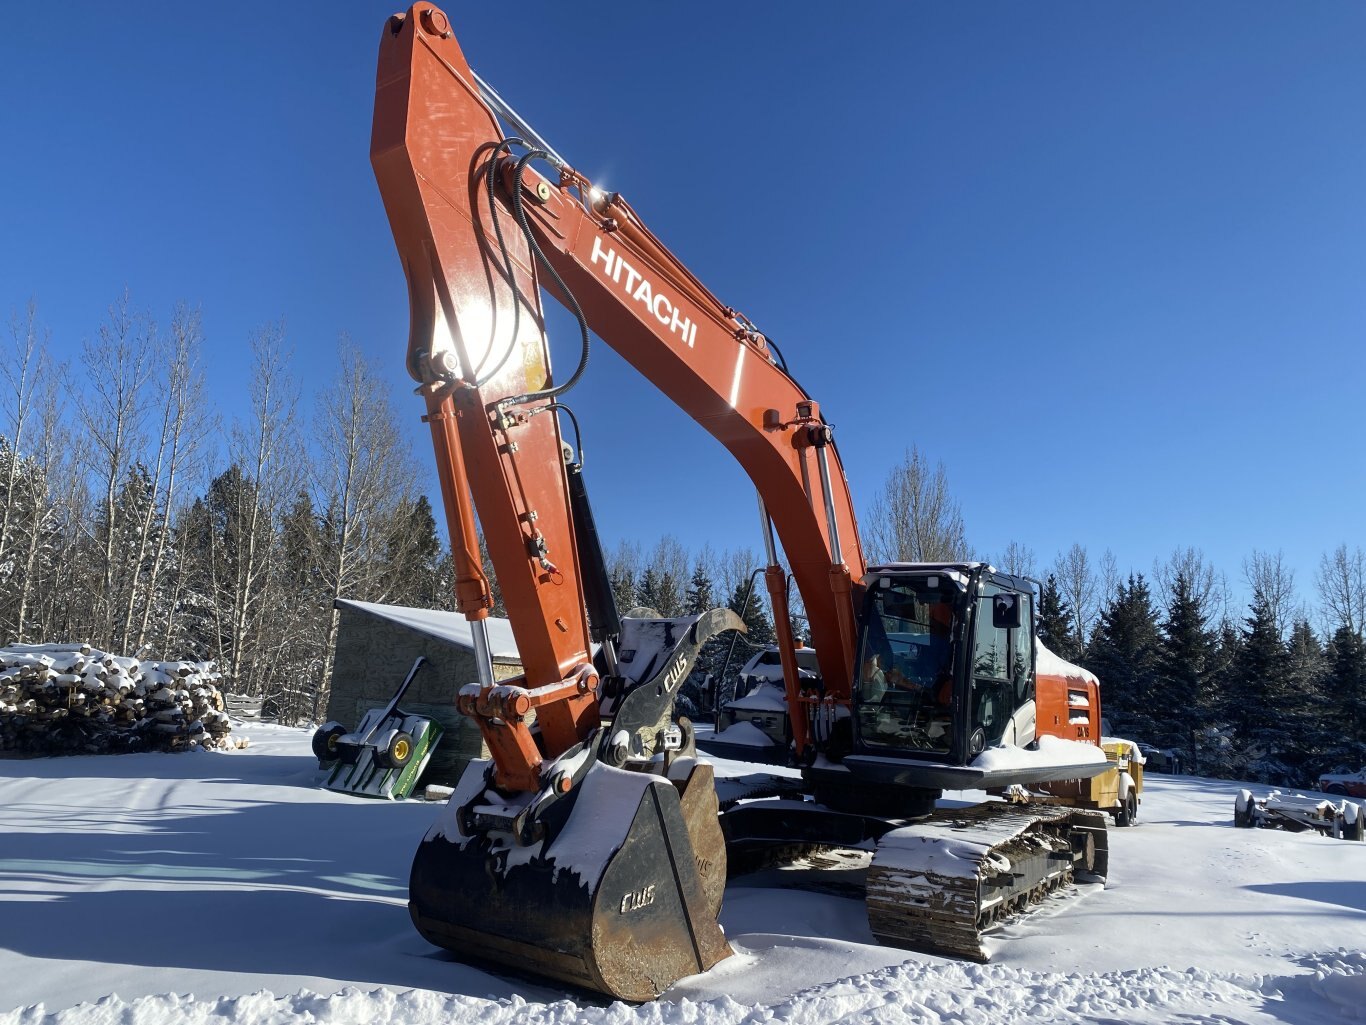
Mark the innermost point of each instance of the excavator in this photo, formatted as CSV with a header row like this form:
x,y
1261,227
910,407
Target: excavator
x,y
588,847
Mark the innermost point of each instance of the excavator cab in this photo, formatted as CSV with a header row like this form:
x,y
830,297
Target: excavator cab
x,y
946,673
946,657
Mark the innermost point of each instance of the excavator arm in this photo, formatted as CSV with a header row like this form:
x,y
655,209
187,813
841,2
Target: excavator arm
x,y
479,229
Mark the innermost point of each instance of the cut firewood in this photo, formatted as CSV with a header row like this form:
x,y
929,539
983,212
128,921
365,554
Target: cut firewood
x,y
75,699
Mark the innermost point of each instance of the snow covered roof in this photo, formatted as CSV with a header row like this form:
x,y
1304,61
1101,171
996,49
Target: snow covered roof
x,y
763,698
958,571
451,627
892,567
1047,663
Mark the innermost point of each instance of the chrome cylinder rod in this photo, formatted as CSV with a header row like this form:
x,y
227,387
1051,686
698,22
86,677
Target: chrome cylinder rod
x,y
766,525
483,655
505,111
836,554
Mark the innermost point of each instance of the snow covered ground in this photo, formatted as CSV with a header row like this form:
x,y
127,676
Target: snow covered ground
x,y
224,887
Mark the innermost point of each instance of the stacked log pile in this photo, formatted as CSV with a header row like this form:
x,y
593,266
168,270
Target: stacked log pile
x,y
75,699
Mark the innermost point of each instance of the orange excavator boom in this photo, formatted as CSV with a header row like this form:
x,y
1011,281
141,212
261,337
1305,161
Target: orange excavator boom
x,y
479,229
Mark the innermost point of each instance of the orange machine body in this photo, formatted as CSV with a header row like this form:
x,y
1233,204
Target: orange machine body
x,y
1067,704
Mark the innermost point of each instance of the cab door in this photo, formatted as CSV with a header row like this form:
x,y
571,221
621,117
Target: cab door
x,y
1001,692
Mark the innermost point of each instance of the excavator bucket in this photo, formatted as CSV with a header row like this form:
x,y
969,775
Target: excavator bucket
x,y
616,903
611,877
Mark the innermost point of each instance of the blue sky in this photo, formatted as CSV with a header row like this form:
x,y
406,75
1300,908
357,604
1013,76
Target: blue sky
x,y
1105,262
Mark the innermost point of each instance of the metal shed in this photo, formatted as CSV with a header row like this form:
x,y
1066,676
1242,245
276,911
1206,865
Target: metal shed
x,y
376,645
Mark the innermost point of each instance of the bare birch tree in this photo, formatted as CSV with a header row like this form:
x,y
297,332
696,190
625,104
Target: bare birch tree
x,y
364,473
23,367
46,529
1341,583
266,452
1269,576
184,420
914,518
1077,584
1109,577
1019,560
115,371
1189,563
734,567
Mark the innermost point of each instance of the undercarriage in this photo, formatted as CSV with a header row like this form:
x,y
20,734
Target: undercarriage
x,y
937,884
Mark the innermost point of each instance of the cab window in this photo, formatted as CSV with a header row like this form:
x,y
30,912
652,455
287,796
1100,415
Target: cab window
x,y
991,650
1001,664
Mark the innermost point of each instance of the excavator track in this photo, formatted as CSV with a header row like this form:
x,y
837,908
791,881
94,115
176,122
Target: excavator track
x,y
939,885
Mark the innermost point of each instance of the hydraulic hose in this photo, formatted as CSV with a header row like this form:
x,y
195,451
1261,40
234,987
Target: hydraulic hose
x,y
519,209
491,183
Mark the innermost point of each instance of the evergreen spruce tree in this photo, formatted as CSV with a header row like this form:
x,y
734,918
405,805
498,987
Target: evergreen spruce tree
x,y
412,554
1182,697
697,696
290,638
1056,622
698,598
240,534
759,635
446,575
1344,719
196,594
1256,702
756,619
650,592
1125,652
1304,706
665,578
624,590
1215,753
299,540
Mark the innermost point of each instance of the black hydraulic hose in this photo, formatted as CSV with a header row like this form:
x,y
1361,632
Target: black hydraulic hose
x,y
782,360
520,211
491,183
604,620
560,407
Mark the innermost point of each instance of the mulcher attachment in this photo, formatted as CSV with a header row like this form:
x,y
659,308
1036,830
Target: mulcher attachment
x,y
611,877
939,885
385,755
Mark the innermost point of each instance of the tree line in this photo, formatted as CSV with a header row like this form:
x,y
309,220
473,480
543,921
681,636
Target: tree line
x,y
669,580
1272,691
132,517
